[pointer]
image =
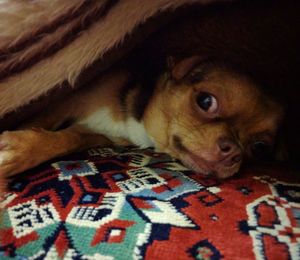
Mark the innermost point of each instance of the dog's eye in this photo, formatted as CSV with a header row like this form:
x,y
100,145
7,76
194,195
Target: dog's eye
x,y
207,102
261,150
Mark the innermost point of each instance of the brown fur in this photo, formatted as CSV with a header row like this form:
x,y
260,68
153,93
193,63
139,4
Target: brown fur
x,y
169,111
245,112
172,119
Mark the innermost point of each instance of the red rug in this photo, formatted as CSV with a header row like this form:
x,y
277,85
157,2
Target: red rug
x,y
137,204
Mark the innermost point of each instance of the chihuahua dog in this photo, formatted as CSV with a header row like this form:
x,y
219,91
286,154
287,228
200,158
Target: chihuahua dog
x,y
204,110
203,113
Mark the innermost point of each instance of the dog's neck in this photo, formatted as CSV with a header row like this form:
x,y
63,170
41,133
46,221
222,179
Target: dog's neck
x,y
130,129
124,117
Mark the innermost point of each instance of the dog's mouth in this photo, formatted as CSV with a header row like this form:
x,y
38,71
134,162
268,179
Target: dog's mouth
x,y
217,169
206,163
197,164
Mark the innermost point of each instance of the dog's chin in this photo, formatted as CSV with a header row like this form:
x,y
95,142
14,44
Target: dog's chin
x,y
203,167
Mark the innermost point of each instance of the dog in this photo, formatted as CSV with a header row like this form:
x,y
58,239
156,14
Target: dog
x,y
205,111
204,114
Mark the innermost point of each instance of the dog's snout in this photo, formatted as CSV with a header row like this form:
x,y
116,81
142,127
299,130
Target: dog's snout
x,y
229,151
226,146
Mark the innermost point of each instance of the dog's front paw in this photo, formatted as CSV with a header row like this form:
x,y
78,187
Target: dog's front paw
x,y
17,152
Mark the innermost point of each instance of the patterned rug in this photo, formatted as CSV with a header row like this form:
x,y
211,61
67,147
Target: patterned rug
x,y
128,203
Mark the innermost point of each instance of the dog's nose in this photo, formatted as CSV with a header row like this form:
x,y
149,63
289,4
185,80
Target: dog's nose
x,y
229,151
226,145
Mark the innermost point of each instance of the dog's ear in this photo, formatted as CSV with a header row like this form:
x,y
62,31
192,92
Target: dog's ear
x,y
178,69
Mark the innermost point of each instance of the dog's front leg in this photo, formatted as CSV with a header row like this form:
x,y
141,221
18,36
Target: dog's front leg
x,y
23,149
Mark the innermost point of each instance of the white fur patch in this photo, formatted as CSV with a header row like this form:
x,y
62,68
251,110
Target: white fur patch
x,y
102,122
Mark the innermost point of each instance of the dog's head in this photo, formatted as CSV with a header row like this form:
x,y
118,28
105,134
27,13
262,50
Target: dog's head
x,y
211,118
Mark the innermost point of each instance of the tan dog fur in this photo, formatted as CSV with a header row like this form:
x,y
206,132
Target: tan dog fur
x,y
172,122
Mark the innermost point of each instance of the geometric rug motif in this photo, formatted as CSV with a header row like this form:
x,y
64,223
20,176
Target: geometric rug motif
x,y
129,203
273,221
